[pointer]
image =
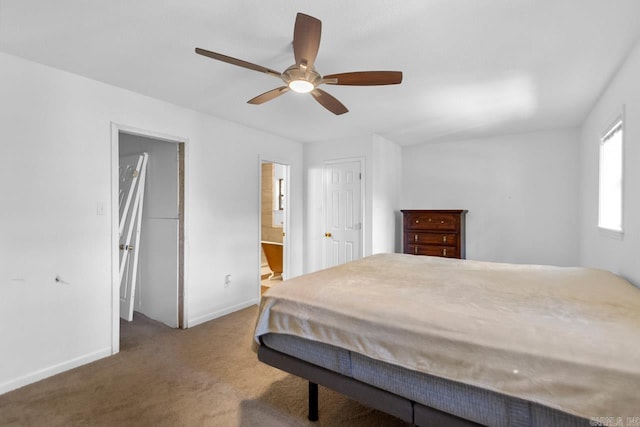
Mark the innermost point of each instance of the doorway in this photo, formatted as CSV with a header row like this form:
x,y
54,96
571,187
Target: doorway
x,y
159,281
274,215
343,192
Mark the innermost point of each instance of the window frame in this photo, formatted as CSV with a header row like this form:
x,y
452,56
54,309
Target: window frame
x,y
618,120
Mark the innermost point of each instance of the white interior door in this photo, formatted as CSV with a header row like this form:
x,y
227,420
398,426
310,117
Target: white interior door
x,y
343,212
131,199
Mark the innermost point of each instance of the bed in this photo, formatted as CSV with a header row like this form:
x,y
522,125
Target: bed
x,y
437,341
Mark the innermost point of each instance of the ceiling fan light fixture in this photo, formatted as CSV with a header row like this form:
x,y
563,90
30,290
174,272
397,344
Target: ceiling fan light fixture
x,y
301,86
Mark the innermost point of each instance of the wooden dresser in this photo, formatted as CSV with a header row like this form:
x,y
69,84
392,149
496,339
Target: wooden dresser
x,y
434,232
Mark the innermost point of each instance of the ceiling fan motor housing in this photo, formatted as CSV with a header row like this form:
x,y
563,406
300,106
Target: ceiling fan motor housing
x,y
296,72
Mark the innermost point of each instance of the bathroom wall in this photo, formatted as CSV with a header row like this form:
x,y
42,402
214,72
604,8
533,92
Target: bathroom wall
x,y
271,222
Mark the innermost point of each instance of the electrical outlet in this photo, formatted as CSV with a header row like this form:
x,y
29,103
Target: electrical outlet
x,y
227,280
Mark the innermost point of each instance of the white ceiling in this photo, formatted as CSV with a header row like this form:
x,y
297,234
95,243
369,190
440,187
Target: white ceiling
x,y
471,68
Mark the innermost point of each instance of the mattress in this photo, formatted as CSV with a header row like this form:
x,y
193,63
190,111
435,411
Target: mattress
x,y
471,403
562,338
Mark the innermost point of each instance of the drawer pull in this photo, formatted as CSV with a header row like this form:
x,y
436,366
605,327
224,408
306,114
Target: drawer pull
x,y
444,252
442,221
429,219
415,238
417,221
415,250
444,239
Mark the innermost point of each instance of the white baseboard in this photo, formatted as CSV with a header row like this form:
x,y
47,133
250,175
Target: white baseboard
x,y
210,316
53,370
92,357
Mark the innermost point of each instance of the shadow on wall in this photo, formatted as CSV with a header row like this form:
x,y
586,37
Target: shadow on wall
x,y
397,245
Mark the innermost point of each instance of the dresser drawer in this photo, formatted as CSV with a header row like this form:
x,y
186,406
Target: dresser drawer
x,y
431,221
421,237
433,250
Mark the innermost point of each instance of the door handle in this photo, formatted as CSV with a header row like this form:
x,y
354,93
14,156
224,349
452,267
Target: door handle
x,y
327,234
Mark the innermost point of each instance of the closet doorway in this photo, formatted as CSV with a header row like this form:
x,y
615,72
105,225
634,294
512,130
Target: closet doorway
x,y
159,280
274,215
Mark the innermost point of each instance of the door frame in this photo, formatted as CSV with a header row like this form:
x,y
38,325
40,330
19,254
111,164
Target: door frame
x,y
183,149
363,228
286,239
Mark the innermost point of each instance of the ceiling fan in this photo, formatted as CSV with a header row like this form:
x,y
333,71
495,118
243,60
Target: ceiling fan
x,y
302,76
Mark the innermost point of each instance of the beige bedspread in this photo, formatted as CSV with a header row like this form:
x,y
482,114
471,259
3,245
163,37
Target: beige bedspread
x,y
568,338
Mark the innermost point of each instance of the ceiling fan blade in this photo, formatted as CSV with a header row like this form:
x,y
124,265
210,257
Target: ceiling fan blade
x,y
365,78
329,102
238,62
306,39
269,95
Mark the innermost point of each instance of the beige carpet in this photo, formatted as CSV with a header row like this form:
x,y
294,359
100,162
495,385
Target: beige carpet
x,y
203,376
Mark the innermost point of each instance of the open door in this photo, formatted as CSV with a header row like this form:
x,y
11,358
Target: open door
x,y
158,283
132,174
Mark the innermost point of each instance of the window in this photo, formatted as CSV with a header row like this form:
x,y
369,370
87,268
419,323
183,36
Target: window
x,y
610,212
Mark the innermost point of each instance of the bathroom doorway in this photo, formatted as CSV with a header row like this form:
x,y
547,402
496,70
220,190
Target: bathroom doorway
x,y
274,184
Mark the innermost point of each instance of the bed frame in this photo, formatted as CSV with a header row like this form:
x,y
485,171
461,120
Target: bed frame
x,y
373,397
416,413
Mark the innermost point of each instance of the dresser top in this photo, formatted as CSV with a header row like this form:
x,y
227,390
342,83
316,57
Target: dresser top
x,y
452,211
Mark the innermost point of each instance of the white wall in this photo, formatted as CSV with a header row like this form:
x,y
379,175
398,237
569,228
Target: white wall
x,y
385,204
521,192
598,249
56,169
